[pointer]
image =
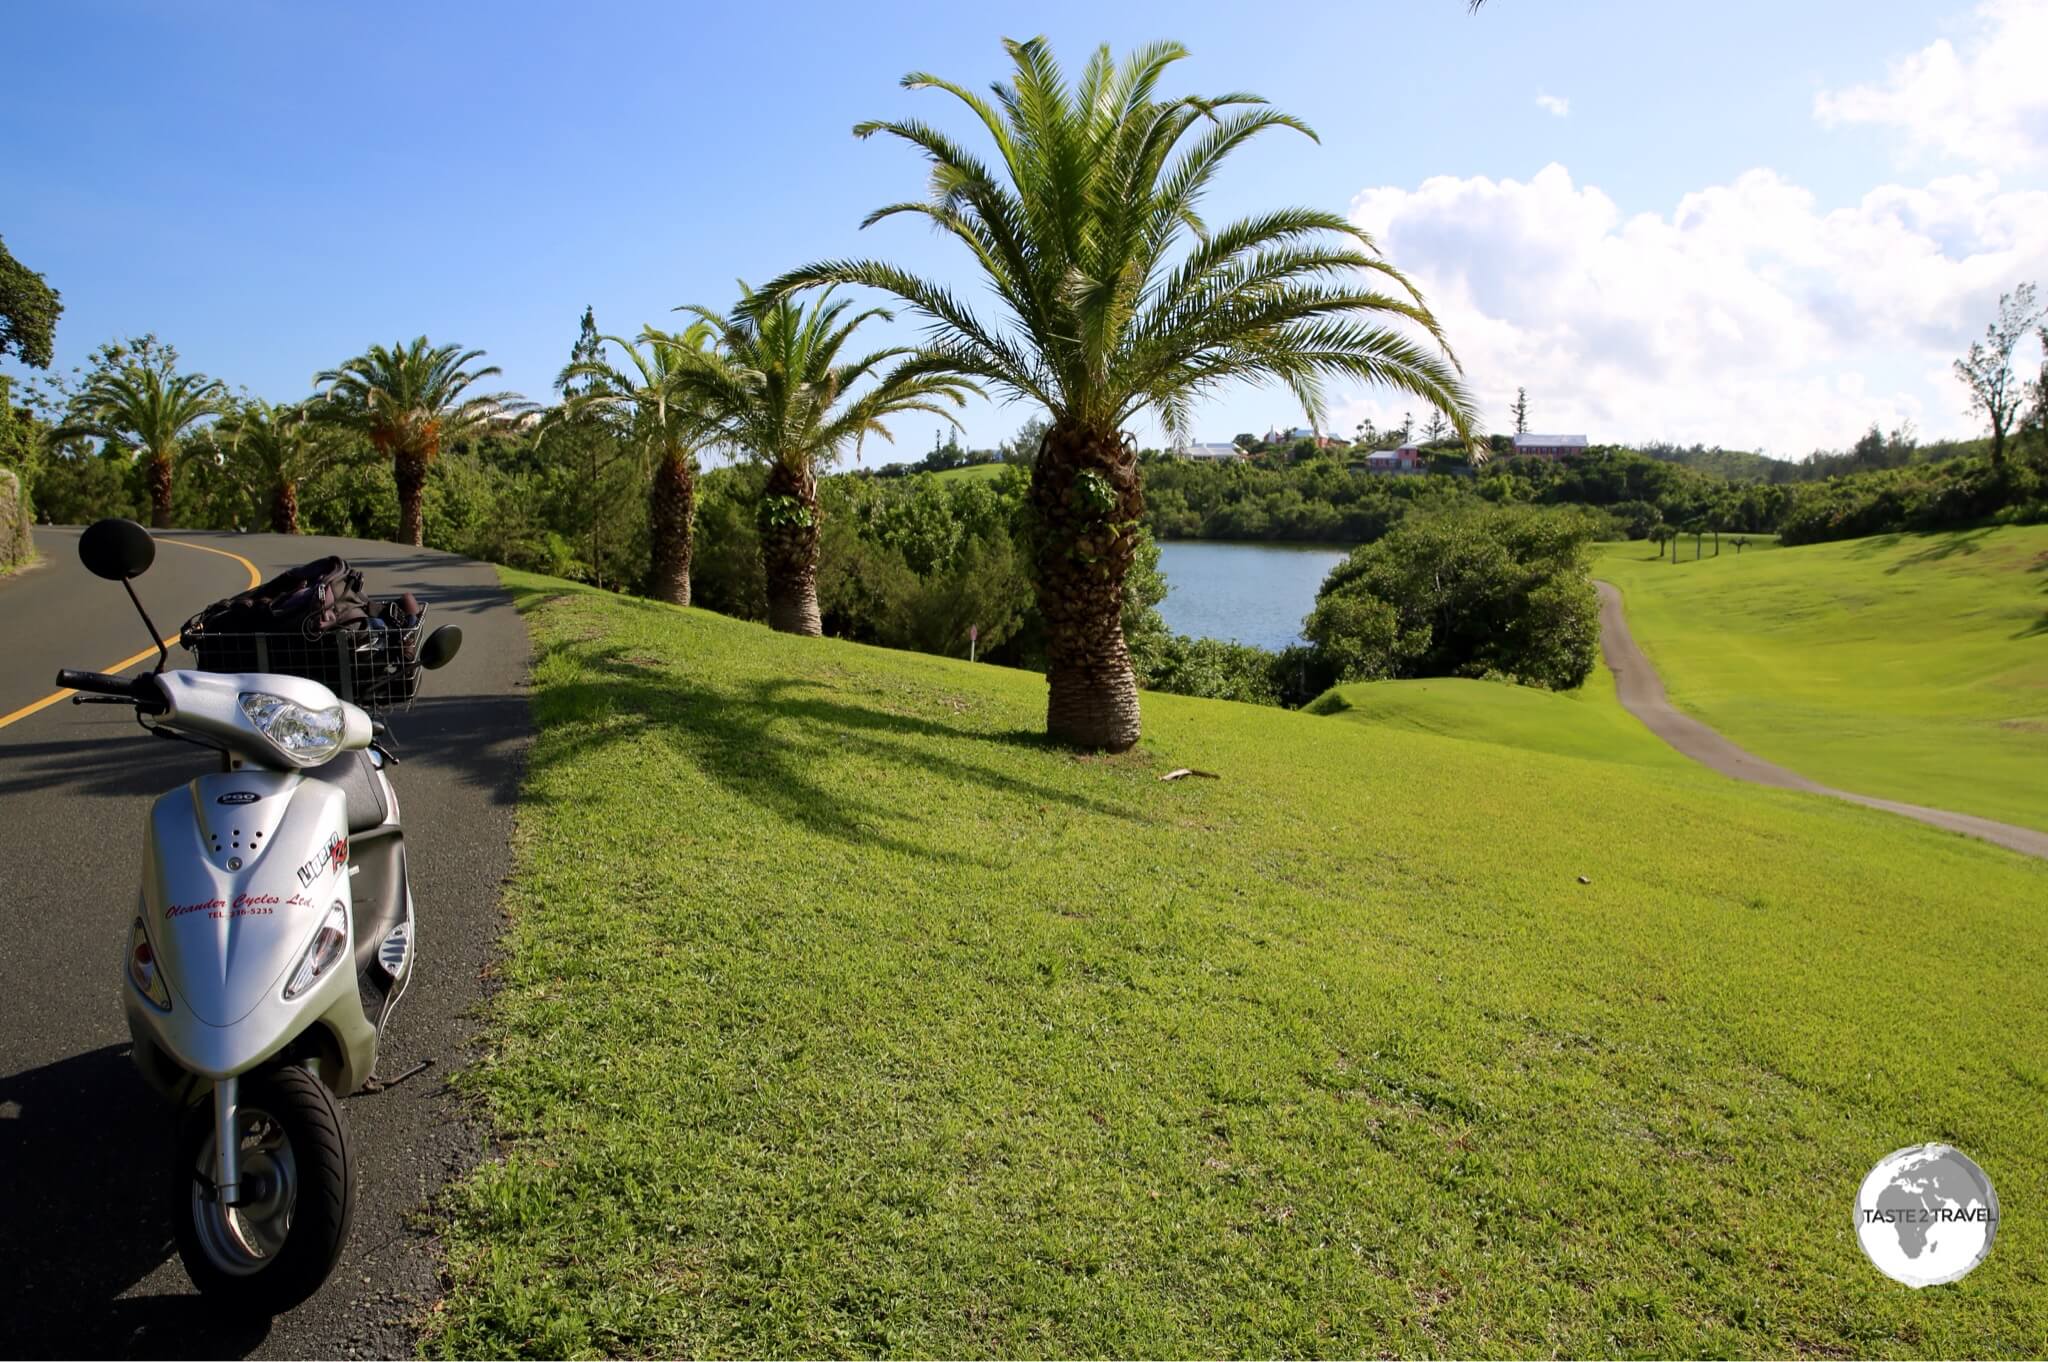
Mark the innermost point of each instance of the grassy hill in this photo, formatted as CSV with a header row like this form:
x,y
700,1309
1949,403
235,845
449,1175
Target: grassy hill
x,y
1912,667
1588,722
839,1014
974,472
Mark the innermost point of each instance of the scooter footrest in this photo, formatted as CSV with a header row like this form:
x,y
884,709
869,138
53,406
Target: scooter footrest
x,y
396,947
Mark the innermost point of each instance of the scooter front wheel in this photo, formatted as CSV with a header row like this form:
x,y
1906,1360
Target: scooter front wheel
x,y
275,1247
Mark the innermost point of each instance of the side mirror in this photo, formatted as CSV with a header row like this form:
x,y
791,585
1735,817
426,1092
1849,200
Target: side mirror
x,y
441,647
116,549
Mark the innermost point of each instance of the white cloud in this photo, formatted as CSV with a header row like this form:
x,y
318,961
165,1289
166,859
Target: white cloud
x,y
1554,104
1746,316
1986,103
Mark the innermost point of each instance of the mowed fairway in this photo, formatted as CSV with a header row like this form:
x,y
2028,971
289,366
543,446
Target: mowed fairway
x,y
1913,667
1588,722
840,1015
973,472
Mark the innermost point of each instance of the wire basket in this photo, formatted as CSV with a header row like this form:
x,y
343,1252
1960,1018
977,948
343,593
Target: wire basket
x,y
377,667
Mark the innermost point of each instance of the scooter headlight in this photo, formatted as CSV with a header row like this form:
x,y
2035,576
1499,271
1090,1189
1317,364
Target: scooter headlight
x,y
142,970
309,735
328,944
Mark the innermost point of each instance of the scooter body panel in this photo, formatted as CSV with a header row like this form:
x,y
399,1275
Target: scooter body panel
x,y
239,870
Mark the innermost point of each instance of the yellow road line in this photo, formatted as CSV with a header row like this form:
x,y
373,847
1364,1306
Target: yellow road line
x,y
255,579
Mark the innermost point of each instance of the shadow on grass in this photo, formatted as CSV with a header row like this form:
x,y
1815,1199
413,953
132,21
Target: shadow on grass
x,y
1943,546
762,742
1876,544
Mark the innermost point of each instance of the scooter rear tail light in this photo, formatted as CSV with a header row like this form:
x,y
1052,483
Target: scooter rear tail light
x,y
142,970
328,944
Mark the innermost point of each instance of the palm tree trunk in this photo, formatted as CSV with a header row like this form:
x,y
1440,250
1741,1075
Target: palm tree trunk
x,y
1085,493
158,474
284,507
671,508
789,550
409,471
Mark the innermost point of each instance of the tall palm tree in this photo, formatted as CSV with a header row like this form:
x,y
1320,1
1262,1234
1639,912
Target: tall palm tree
x,y
410,400
1114,297
145,404
271,449
780,392
649,396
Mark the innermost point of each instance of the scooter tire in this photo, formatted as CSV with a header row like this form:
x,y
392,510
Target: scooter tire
x,y
322,1201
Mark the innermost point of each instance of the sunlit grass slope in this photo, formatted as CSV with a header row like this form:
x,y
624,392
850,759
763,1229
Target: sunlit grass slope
x,y
1914,667
1588,722
839,1015
973,472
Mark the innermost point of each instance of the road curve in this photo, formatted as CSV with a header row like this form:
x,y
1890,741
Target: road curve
x,y
1642,694
86,1262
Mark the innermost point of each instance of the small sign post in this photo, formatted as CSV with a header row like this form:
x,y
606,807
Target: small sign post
x,y
973,640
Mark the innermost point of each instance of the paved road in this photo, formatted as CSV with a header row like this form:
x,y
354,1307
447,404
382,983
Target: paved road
x,y
86,1262
1642,694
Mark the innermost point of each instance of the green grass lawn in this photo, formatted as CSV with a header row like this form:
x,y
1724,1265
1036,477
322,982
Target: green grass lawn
x,y
840,1015
1588,722
1912,667
974,472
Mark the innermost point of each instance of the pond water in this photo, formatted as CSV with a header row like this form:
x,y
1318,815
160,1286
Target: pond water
x,y
1242,593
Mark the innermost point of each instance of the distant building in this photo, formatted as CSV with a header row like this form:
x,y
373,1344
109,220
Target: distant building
x,y
1549,446
1406,459
1288,437
1213,452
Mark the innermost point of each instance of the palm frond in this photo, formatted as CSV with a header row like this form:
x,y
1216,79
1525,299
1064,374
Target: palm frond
x,y
779,384
1112,296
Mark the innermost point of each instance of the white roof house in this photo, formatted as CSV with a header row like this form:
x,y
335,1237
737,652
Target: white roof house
x,y
1281,437
1209,451
1548,443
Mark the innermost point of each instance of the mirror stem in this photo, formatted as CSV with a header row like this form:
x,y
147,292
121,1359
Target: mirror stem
x,y
163,654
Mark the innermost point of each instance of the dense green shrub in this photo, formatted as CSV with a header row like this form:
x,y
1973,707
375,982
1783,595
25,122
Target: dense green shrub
x,y
76,487
1492,591
1211,668
903,562
1635,519
1921,496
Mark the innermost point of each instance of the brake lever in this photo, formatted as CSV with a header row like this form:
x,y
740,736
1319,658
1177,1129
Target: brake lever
x,y
101,700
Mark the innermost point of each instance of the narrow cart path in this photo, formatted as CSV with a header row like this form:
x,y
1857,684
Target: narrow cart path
x,y
1642,694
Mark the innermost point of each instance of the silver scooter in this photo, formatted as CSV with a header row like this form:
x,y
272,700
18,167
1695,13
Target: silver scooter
x,y
272,940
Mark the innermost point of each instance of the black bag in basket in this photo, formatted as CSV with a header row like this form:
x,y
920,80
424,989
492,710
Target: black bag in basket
x,y
304,604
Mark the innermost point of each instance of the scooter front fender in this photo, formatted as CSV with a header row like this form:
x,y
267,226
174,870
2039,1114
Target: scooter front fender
x,y
179,1060
239,871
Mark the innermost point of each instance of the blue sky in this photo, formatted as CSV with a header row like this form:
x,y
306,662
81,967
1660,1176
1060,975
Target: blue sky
x,y
1762,225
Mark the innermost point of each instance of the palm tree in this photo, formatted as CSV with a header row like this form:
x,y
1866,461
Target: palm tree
x,y
144,403
780,392
271,449
1078,230
651,399
410,400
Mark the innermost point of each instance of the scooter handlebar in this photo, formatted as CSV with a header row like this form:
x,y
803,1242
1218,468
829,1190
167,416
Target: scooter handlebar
x,y
143,689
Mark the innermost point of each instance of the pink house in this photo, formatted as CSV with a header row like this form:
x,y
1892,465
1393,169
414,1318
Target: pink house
x,y
1406,459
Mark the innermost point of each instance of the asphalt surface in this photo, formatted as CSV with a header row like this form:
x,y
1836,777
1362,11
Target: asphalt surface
x,y
1642,694
87,1266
